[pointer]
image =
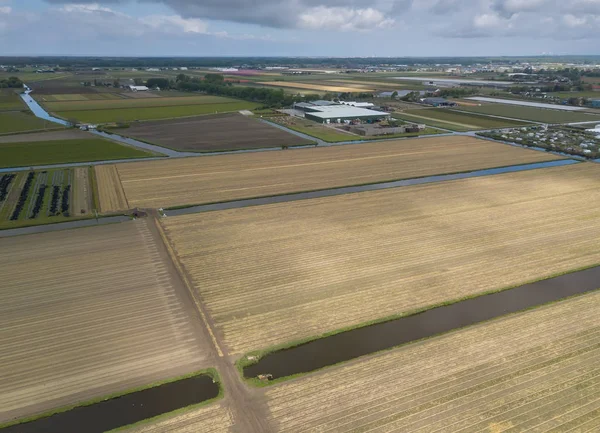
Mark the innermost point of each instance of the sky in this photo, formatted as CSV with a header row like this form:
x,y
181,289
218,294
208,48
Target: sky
x,y
341,28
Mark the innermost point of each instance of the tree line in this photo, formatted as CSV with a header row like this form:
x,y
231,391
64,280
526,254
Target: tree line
x,y
11,82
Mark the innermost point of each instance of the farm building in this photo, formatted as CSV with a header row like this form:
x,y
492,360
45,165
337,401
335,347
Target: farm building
x,y
358,104
438,102
337,113
138,88
595,103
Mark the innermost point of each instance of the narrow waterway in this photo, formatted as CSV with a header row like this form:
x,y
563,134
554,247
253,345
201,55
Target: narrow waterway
x,y
372,187
38,110
363,341
128,409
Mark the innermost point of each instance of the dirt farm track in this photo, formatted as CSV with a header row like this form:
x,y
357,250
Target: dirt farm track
x,y
99,312
188,181
213,133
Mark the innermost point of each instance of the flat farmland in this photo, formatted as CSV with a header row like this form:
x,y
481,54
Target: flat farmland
x,y
110,191
190,181
536,371
77,97
317,87
153,113
214,418
214,133
16,121
114,103
533,114
283,272
455,120
10,101
100,312
22,154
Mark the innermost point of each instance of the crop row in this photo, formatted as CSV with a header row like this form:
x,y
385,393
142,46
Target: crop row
x,y
23,197
39,200
64,207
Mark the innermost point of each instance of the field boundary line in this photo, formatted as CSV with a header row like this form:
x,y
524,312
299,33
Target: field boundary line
x,y
121,186
188,285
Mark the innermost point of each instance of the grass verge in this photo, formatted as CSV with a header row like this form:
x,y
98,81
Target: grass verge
x,y
209,372
254,357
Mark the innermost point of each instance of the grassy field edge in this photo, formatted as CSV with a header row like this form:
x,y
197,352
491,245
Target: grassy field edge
x,y
256,355
212,372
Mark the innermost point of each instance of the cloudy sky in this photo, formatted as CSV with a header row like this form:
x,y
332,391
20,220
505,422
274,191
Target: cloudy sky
x,y
299,27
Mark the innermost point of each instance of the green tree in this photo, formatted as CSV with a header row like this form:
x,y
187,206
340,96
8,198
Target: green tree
x,y
394,94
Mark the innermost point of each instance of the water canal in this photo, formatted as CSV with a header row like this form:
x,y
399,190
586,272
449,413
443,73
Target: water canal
x,y
127,409
367,340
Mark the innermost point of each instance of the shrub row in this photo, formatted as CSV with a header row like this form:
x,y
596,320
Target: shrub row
x,y
39,201
23,197
64,207
54,200
5,182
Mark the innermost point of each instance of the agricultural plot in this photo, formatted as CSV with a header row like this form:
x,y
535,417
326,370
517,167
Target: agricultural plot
x,y
314,129
455,120
285,272
532,114
535,371
214,418
106,104
99,313
110,191
24,154
188,181
33,198
316,87
16,121
77,97
154,113
10,101
214,133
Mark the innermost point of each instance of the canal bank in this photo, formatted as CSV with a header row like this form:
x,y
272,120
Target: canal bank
x,y
117,411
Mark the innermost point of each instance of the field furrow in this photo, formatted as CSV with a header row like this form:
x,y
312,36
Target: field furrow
x,y
98,313
535,371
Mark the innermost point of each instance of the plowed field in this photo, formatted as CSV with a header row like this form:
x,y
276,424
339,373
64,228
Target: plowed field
x,y
278,273
86,313
536,371
230,177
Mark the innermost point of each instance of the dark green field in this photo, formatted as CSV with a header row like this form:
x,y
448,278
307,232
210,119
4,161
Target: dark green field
x,y
17,121
57,152
533,114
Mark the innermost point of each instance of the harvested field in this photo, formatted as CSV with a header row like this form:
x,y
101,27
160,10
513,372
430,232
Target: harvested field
x,y
23,154
318,87
337,262
214,133
77,97
535,371
110,191
214,418
457,121
99,313
229,177
119,103
65,134
532,114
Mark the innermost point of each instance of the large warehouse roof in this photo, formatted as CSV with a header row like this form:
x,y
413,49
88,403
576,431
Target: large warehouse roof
x,y
344,111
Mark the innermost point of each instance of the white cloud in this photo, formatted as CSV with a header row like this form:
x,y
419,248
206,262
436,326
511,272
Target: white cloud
x,y
5,10
336,18
175,23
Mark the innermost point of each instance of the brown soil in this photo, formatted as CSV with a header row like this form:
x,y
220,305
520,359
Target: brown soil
x,y
213,133
82,197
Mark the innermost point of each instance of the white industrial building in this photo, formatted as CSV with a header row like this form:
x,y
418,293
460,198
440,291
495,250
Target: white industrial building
x,y
338,113
138,88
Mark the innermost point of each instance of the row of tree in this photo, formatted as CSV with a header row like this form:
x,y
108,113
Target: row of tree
x,y
11,82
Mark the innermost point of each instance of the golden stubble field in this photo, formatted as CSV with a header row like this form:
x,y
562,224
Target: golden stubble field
x,y
110,191
214,418
536,371
187,181
278,273
86,313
